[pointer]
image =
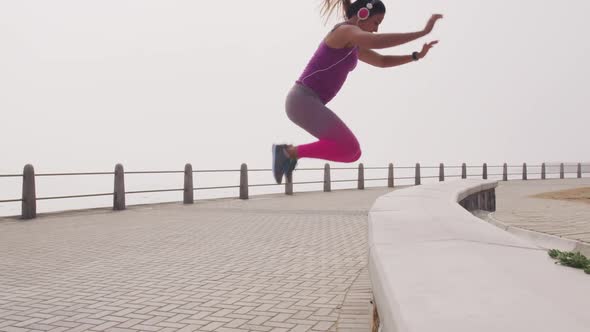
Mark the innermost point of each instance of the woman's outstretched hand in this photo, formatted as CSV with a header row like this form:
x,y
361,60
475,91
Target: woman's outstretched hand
x,y
431,21
426,48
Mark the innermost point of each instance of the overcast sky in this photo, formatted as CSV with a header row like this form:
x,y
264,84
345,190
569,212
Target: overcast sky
x,y
156,84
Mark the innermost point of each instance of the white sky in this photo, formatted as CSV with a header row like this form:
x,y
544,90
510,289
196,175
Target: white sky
x,y
156,84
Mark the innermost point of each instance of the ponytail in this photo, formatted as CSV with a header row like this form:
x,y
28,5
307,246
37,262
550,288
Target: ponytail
x,y
330,5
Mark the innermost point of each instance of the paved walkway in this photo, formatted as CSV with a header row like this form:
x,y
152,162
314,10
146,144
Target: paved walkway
x,y
272,263
567,219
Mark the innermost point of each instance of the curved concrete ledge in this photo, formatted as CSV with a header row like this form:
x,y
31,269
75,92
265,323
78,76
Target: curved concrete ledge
x,y
436,267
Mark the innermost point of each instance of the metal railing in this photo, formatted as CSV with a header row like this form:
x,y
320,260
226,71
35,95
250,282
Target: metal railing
x,y
29,197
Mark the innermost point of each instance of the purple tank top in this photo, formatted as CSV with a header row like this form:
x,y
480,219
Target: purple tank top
x,y
327,70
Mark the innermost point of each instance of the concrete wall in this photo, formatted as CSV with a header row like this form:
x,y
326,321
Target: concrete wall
x,y
436,267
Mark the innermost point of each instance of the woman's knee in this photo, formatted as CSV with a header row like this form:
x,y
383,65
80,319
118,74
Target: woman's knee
x,y
358,154
355,155
353,151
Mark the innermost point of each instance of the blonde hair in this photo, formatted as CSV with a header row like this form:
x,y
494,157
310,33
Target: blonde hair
x,y
330,6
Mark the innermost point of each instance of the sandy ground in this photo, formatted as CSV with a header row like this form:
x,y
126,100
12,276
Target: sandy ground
x,y
573,195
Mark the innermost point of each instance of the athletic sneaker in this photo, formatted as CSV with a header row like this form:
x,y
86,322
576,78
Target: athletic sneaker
x,y
280,161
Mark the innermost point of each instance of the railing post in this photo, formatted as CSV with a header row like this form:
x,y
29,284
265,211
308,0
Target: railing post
x,y
29,202
463,171
361,177
561,171
390,178
119,194
524,171
418,179
543,172
188,184
244,181
505,172
441,172
289,184
579,170
327,179
485,171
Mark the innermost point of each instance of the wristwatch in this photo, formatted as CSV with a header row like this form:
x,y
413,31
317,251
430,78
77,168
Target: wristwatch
x,y
415,56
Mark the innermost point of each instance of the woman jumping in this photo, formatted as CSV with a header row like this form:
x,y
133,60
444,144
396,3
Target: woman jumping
x,y
337,55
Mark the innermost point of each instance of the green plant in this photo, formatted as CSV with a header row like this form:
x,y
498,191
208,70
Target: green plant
x,y
554,253
572,259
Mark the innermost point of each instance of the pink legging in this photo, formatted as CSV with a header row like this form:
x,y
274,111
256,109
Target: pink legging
x,y
336,141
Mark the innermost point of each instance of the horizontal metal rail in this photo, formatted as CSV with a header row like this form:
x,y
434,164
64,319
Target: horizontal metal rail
x,y
259,170
154,172
405,178
216,170
11,200
73,196
74,174
211,188
152,191
264,185
309,182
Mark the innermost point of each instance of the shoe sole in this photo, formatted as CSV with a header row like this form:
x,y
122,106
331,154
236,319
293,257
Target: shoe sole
x,y
274,158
